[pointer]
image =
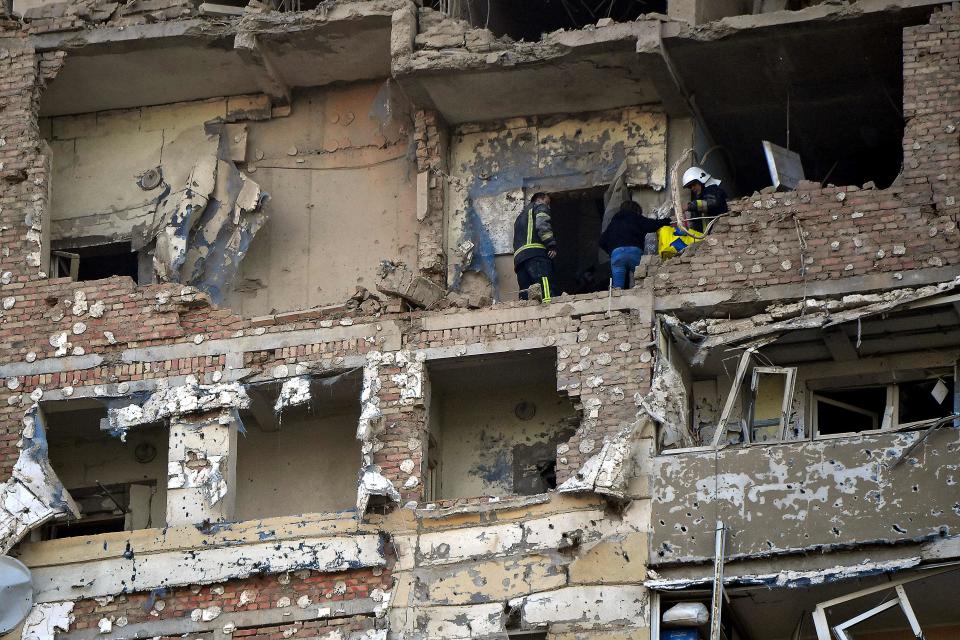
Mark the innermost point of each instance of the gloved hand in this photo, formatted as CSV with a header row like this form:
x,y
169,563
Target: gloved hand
x,y
692,207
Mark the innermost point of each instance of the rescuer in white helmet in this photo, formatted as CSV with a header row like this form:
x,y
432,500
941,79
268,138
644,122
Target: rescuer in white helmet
x,y
707,199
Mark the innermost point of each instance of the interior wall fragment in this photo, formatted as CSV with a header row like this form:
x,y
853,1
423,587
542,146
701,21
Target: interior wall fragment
x,y
496,167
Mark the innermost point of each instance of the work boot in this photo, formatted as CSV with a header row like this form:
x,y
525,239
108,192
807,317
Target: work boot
x,y
535,292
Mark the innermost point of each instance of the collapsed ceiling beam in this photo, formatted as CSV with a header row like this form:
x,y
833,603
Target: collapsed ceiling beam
x,y
258,59
838,343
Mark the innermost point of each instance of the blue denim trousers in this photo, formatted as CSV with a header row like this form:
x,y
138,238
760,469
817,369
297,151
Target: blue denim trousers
x,y
623,261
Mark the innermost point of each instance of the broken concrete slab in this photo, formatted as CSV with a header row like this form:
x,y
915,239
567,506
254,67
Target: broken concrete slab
x,y
33,495
399,280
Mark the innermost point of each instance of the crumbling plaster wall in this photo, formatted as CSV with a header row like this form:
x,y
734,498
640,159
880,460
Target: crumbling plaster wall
x,y
337,171
497,166
878,238
480,434
98,159
811,495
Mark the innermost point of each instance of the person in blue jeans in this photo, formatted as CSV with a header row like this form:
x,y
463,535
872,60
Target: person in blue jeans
x,y
623,239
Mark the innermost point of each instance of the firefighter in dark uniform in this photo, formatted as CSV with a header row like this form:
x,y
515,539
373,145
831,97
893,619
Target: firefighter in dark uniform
x,y
534,247
707,199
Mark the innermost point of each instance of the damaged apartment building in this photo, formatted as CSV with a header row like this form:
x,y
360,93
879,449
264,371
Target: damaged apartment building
x,y
265,375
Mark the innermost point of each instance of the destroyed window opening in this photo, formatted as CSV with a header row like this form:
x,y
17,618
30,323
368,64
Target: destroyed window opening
x,y
562,431
139,491
736,390
819,614
86,263
887,422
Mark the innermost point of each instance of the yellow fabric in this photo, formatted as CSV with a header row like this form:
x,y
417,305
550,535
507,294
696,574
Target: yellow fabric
x,y
546,289
671,241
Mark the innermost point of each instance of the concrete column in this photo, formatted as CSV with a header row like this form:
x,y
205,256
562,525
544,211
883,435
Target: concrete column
x,y
202,468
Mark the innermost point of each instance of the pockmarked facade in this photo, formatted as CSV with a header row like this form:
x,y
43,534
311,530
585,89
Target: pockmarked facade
x,y
265,374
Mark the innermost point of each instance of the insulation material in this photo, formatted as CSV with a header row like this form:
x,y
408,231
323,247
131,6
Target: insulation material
x,y
607,472
33,495
207,230
46,619
667,405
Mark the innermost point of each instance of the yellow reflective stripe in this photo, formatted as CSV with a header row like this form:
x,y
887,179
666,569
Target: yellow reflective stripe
x,y
546,289
534,245
529,225
702,206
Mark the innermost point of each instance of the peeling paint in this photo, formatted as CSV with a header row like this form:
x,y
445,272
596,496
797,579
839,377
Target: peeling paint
x,y
46,619
293,392
33,495
189,398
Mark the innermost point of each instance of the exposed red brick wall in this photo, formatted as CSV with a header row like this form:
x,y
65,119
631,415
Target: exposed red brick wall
x,y
263,592
931,106
849,231
429,132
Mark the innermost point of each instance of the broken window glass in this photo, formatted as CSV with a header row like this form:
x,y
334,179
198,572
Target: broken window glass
x,y
889,406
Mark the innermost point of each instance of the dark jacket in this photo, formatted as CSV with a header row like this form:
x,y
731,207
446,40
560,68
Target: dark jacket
x,y
712,202
628,229
532,233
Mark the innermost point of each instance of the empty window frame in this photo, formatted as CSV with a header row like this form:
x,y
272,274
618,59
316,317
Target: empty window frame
x,y
771,396
767,403
899,405
95,262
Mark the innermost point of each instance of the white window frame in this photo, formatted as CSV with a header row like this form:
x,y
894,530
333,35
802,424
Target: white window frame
x,y
786,406
887,422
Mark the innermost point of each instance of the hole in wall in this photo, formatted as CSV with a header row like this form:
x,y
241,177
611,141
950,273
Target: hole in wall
x,y
116,485
485,439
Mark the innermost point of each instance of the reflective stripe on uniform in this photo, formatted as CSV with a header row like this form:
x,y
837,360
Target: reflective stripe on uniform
x,y
546,288
548,236
534,245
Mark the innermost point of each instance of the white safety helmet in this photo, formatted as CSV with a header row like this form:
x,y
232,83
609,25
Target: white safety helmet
x,y
696,174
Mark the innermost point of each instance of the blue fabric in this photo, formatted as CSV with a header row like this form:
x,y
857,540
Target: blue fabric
x,y
623,261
